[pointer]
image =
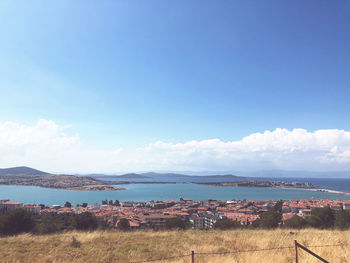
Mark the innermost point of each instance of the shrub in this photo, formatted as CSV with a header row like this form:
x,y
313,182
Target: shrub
x,y
123,224
321,218
342,219
270,219
295,222
177,223
226,224
16,221
85,221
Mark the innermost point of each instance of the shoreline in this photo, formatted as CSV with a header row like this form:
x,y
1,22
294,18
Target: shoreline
x,y
78,188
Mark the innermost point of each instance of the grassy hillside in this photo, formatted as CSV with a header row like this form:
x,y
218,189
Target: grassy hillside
x,y
135,246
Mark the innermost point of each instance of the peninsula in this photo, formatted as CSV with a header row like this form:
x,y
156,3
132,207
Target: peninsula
x,y
276,184
32,177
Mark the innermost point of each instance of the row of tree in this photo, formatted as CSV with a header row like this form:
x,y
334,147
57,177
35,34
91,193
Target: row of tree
x,y
19,220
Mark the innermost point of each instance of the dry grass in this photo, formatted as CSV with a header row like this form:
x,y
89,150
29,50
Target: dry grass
x,y
134,246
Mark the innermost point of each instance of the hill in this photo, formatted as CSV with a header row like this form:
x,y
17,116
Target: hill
x,y
20,170
32,177
137,246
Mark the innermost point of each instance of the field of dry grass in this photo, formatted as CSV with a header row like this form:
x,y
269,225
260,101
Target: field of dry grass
x,y
137,246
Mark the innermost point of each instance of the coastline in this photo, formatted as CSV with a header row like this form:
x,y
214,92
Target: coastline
x,y
89,188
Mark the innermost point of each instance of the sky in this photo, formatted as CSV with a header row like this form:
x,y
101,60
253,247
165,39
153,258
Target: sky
x,y
114,86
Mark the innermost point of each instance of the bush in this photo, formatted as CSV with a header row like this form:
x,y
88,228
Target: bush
x,y
54,223
16,221
321,218
226,224
342,219
270,219
295,222
85,221
75,243
123,224
177,223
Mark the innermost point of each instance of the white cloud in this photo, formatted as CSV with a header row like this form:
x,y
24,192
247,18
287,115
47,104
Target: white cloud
x,y
46,146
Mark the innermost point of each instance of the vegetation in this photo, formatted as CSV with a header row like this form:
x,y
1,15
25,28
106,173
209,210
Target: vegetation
x,y
16,221
177,223
321,218
295,222
224,224
125,247
85,221
123,224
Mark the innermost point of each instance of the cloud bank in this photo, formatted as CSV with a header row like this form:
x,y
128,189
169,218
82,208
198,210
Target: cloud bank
x,y
46,146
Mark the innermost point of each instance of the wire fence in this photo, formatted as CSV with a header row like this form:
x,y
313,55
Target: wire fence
x,y
233,252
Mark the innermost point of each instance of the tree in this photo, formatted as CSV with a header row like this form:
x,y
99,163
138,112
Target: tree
x,y
110,202
177,223
270,219
226,224
321,217
123,224
104,202
295,222
342,219
16,221
278,206
84,205
116,203
68,204
85,221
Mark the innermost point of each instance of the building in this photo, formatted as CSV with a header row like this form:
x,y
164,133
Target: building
x,y
6,205
155,220
35,209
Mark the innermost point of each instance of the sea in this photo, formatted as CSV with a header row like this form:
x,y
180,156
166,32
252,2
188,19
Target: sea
x,y
175,189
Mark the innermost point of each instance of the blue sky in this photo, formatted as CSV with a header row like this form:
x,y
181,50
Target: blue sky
x,y
129,73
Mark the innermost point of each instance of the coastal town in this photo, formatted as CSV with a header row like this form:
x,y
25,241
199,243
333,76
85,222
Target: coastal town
x,y
201,214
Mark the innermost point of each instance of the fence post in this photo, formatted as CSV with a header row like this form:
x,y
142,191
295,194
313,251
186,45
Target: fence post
x,y
296,251
192,256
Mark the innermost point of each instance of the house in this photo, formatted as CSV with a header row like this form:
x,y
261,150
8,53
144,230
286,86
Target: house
x,y
8,205
35,209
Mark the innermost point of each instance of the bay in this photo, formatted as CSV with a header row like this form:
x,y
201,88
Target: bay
x,y
147,192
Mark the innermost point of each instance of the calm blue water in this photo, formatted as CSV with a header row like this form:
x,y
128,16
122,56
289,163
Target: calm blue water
x,y
147,192
337,184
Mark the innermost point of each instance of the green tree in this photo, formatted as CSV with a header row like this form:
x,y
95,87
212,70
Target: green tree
x,y
110,202
85,221
68,204
321,217
104,202
116,203
270,219
342,219
278,206
84,205
123,224
177,223
16,221
226,224
295,222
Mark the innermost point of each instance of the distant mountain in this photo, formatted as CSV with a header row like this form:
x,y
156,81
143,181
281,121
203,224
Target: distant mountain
x,y
133,175
161,175
21,170
297,174
167,175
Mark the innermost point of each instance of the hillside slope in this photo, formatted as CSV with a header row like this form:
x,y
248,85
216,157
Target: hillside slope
x,y
21,170
137,246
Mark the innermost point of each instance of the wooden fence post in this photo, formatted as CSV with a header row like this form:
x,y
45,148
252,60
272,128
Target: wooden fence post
x,y
296,251
192,256
308,251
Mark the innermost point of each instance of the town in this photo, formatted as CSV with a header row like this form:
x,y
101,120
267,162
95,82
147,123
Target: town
x,y
201,214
